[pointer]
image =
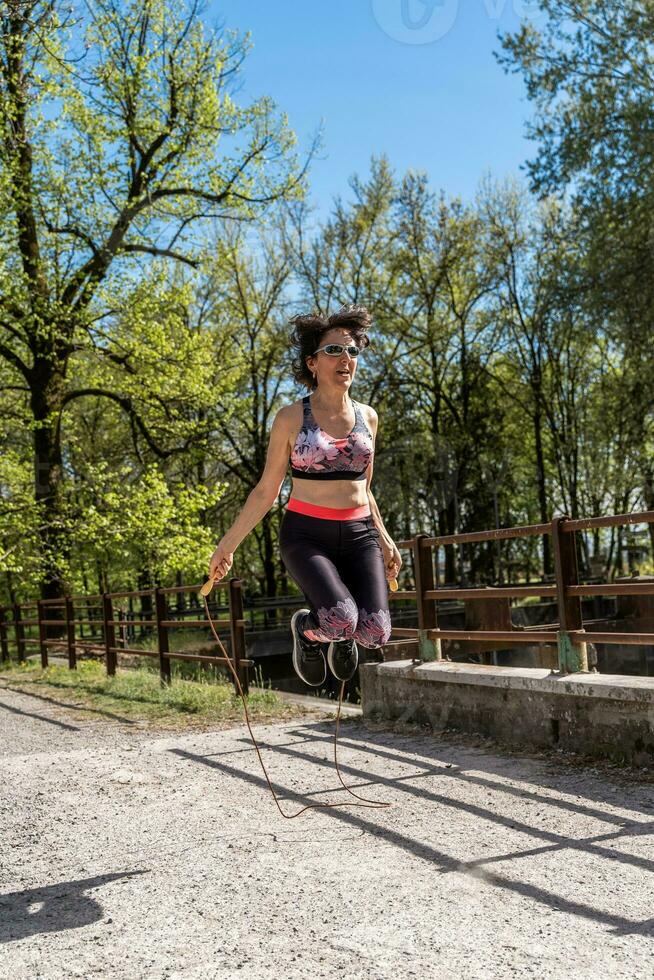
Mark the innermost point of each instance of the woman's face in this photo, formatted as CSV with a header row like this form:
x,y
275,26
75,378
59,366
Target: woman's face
x,y
335,372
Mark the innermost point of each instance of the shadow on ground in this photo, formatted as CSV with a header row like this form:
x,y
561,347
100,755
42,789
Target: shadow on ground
x,y
434,770
66,905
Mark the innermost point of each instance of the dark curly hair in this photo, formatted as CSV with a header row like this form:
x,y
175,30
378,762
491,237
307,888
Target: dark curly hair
x,y
309,328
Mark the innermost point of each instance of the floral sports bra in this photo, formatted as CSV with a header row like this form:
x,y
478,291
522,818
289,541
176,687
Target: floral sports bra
x,y
318,456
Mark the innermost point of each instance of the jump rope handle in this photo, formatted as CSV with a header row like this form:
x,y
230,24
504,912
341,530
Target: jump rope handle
x,y
207,587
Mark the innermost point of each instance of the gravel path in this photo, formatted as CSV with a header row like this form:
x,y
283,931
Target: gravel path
x,y
130,854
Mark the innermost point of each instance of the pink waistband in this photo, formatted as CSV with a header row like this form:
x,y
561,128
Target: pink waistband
x,y
328,513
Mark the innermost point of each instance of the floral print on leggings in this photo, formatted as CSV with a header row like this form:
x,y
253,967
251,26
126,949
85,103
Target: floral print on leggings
x,y
337,623
344,621
373,629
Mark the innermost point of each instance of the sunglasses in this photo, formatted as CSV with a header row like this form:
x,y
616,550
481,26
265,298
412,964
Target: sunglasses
x,y
335,350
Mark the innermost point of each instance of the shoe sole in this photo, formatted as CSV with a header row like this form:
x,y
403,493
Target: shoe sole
x,y
297,652
330,661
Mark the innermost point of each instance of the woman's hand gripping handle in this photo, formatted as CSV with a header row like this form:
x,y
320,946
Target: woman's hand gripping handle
x,y
392,563
219,565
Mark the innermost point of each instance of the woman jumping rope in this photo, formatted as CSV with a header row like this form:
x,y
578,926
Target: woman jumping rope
x,y
332,539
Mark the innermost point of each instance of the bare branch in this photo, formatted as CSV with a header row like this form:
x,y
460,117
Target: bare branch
x,y
13,358
128,408
165,252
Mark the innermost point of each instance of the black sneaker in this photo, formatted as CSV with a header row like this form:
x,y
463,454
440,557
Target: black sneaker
x,y
308,658
343,659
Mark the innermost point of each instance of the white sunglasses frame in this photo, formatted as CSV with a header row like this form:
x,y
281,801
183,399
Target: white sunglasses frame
x,y
344,347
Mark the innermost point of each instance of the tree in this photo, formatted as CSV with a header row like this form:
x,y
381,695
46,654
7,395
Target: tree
x,y
440,311
524,248
590,76
249,312
119,137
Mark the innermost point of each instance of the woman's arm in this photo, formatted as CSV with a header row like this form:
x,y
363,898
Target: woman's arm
x,y
260,499
392,557
376,516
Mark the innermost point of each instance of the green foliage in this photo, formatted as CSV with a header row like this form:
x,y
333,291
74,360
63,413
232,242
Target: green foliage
x,y
19,518
588,72
121,143
145,523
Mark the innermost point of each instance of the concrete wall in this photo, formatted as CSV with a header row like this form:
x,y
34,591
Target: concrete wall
x,y
608,716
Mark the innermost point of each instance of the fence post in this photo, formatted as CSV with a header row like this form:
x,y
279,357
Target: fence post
x,y
162,635
70,633
19,630
109,634
4,646
43,632
573,657
237,631
427,615
122,629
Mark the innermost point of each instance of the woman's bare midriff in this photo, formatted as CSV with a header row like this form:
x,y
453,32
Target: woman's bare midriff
x,y
330,493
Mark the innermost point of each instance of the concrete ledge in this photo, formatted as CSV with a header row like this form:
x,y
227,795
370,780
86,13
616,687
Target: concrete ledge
x,y
609,716
537,679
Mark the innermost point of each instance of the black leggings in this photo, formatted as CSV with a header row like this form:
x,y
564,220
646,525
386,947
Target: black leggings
x,y
339,566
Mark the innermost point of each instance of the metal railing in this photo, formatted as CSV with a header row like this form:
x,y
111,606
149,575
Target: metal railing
x,y
109,619
570,635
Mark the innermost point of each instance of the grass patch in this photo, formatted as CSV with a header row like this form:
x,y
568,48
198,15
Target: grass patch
x,y
178,639
136,695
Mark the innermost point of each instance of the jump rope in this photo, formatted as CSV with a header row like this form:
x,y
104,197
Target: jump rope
x,y
364,801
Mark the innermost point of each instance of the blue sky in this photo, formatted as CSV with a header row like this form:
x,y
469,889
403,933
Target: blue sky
x,y
416,80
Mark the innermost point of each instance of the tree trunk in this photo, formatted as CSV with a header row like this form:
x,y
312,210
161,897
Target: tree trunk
x,y
447,525
548,566
46,401
181,597
144,581
406,497
100,576
648,495
10,588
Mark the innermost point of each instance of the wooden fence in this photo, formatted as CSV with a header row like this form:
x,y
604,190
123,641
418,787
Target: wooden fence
x,y
569,633
61,616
